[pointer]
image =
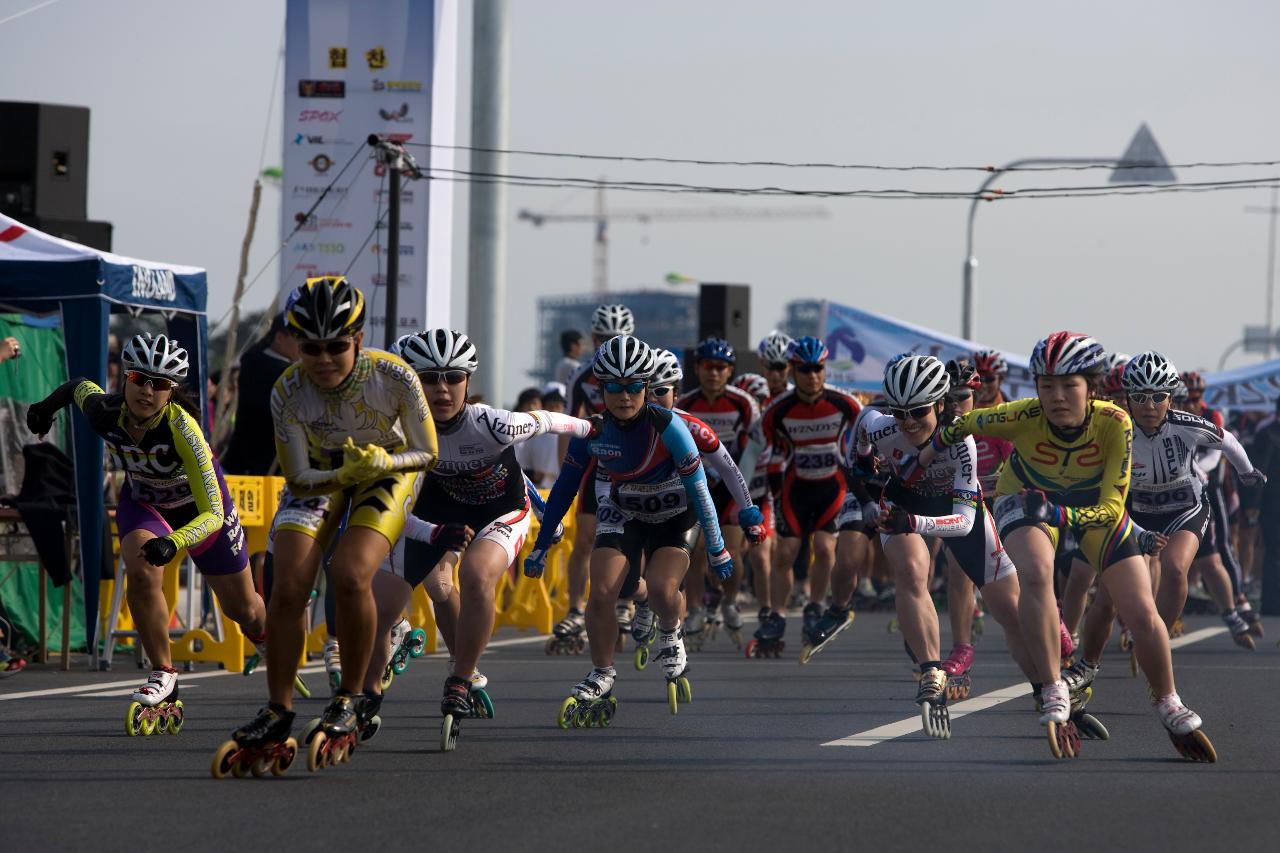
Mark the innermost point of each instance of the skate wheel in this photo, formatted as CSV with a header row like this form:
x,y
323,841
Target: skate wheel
x,y
344,754
482,703
565,718
132,719
288,752
301,686
1090,727
550,647
685,690
316,753
259,766
387,677
222,759
449,731
1245,641
176,718
779,649
149,722
417,642
642,657
239,768
1064,741
400,664
370,728
1195,747
607,710
335,681
1133,663
936,720
752,645
673,700
805,654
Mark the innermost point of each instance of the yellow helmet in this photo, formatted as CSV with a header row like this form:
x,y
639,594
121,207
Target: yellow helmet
x,y
325,307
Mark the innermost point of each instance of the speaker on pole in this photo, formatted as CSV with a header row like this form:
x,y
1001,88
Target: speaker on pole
x,y
724,311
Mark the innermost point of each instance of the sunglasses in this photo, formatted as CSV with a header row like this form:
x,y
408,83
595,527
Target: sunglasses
x,y
717,366
159,383
960,395
917,413
810,368
989,380
449,377
316,348
618,387
1156,397
776,366
661,391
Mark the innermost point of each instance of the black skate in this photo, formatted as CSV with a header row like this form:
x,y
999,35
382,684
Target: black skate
x,y
835,620
811,615
454,706
767,641
566,636
332,738
262,745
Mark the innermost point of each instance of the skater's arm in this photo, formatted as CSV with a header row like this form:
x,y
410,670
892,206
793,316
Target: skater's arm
x,y
421,450
566,487
304,480
1003,421
964,496
721,461
418,529
689,467
86,394
202,478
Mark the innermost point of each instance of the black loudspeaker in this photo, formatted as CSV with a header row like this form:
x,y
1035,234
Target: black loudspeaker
x,y
724,311
86,232
44,161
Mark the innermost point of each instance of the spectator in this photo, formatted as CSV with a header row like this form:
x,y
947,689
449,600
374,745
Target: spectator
x,y
252,448
571,344
539,456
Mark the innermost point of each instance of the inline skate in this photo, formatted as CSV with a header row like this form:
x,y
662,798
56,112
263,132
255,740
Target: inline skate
x,y
566,636
622,612
1251,618
406,642
592,703
695,625
731,617
1055,707
261,745
1184,728
670,653
957,666
810,617
767,641
333,664
931,696
332,737
155,707
644,630
455,705
1240,633
828,626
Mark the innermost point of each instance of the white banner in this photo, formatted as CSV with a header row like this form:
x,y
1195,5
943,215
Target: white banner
x,y
355,68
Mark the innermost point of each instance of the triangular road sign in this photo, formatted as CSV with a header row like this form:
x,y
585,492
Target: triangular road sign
x,y
1143,162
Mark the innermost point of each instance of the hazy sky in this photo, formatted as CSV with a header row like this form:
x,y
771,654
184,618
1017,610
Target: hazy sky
x,y
180,91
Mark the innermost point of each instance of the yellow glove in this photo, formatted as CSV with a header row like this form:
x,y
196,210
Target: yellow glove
x,y
362,463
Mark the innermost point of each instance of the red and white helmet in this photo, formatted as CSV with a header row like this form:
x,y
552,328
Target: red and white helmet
x,y
989,362
1066,354
754,384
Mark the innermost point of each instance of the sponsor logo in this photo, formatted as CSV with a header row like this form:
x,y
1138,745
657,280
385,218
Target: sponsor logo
x,y
406,196
154,284
307,189
307,268
321,248
322,116
380,280
337,57
397,85
376,58
322,89
321,163
396,114
405,251
314,223
318,139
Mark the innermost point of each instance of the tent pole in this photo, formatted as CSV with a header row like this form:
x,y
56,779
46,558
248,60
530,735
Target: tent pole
x,y
222,421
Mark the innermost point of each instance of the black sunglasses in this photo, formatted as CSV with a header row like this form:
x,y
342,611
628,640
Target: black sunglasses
x,y
810,368
917,413
1141,397
776,366
960,395
335,347
450,377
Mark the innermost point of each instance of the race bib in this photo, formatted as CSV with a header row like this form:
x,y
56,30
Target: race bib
x,y
165,494
816,461
652,501
1171,497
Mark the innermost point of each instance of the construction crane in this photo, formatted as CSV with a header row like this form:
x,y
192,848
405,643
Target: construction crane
x,y
601,217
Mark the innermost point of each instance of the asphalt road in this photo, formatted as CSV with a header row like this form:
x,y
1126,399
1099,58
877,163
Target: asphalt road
x,y
748,765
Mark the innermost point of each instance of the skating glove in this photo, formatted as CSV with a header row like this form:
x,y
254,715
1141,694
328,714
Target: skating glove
x,y
721,564
536,563
870,512
597,426
865,466
362,463
1252,478
159,551
895,521
39,418
1036,505
751,520
1150,542
452,537
558,534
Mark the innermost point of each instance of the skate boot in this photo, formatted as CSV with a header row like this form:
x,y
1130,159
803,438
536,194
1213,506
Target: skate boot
x,y
711,604
155,707
831,623
454,705
643,630
669,652
1055,705
767,641
1177,629
931,696
406,642
1079,676
592,703
332,738
864,594
1087,725
695,625
260,654
811,616
262,745
478,679
622,612
1239,630
1251,618
957,666
333,664
368,721
566,636
481,704
1066,645
1184,727
731,616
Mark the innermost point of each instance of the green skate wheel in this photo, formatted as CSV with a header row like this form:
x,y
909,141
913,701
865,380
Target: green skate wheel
x,y
485,703
642,657
400,661
177,718
251,663
387,677
684,689
132,719
149,723
335,681
417,642
673,701
301,686
607,710
565,718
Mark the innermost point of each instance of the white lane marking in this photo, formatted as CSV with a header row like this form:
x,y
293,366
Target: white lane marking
x,y
192,676
880,734
111,694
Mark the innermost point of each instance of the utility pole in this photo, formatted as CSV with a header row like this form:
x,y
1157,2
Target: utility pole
x,y
392,156
487,255
1271,263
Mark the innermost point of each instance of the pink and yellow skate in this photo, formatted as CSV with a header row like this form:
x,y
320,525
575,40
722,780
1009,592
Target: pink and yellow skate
x,y
957,666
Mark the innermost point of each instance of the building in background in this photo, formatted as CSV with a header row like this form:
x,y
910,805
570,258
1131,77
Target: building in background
x,y
664,319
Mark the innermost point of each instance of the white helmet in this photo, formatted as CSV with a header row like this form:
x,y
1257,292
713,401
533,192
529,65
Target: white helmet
x,y
666,368
437,349
754,384
773,347
156,355
623,358
1112,360
1150,371
915,380
613,319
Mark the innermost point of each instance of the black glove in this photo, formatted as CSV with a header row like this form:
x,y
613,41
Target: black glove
x,y
894,521
160,551
1150,542
865,466
597,426
1036,505
452,537
39,419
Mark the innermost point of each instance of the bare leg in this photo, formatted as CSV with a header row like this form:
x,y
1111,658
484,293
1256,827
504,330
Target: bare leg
x,y
482,564
1032,552
1129,585
296,561
917,617
144,589
360,552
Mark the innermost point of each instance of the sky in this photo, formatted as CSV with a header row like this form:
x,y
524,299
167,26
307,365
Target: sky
x,y
180,95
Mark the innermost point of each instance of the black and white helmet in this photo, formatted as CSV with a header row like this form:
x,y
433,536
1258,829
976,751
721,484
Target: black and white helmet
x,y
1150,371
773,347
613,319
1112,360
623,358
155,355
915,380
667,369
437,349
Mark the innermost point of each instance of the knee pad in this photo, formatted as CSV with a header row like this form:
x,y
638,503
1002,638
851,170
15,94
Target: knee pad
x,y
439,583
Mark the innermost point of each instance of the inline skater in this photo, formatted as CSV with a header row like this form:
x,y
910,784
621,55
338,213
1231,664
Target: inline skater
x,y
1166,495
802,428
476,487
761,553
734,416
772,352
1070,469
943,500
174,498
585,399
651,493
353,424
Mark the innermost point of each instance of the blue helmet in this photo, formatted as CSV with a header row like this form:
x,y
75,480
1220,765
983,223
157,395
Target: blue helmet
x,y
807,350
716,348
